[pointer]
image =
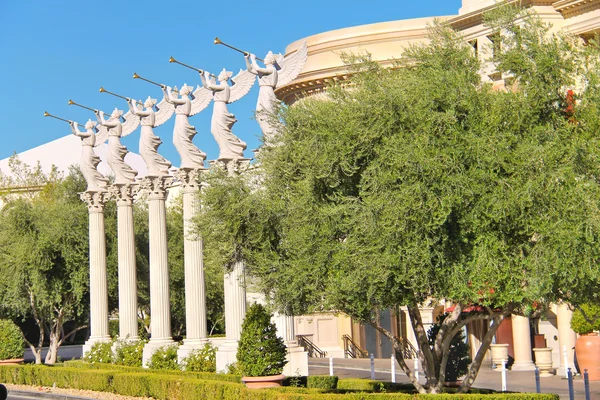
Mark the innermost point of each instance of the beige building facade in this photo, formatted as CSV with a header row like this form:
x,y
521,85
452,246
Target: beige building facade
x,y
385,42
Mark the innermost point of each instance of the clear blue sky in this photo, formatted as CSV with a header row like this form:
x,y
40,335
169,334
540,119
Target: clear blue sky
x,y
53,51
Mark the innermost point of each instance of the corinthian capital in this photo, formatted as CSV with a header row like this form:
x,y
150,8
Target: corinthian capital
x,y
95,200
190,178
123,193
235,166
156,186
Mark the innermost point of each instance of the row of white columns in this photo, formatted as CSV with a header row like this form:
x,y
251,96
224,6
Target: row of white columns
x,y
522,344
156,188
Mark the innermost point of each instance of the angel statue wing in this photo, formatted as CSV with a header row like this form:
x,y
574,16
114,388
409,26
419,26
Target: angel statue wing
x,y
131,123
201,99
101,136
241,85
165,111
291,65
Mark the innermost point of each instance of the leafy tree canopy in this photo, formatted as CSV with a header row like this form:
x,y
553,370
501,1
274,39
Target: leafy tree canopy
x,y
422,182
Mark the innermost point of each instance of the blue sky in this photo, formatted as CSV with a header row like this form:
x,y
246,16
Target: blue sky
x,y
53,51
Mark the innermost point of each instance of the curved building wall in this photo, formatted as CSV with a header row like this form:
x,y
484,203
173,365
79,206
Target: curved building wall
x,y
386,41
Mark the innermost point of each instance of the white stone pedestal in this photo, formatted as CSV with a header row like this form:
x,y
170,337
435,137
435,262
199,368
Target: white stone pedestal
x,y
160,311
97,255
195,292
226,355
235,312
123,194
297,358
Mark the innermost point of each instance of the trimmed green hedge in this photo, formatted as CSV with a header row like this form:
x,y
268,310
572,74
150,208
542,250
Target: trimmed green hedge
x,y
113,367
182,386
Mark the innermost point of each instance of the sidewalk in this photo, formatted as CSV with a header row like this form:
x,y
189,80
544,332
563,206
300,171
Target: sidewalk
x,y
517,381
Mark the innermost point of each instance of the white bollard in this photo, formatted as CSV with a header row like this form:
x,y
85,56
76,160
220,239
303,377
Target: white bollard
x,y
330,365
504,375
417,368
566,358
372,366
393,369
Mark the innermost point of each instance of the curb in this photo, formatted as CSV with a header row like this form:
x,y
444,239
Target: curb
x,y
41,395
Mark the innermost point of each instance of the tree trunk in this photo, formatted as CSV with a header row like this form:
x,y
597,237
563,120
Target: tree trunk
x,y
52,354
55,338
485,345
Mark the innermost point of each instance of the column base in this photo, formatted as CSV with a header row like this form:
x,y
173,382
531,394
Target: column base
x,y
151,347
226,355
188,346
523,366
92,341
297,360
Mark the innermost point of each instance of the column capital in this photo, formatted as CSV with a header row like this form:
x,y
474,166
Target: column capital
x,y
95,200
233,166
123,193
190,178
156,186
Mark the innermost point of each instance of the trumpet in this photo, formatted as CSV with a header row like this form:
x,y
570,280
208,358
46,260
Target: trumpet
x,y
102,90
72,103
201,71
219,41
47,114
136,76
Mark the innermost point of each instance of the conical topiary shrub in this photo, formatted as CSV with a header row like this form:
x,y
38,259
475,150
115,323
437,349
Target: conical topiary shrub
x,y
260,352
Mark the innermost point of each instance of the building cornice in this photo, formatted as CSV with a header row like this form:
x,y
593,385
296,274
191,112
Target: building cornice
x,y
474,18
573,8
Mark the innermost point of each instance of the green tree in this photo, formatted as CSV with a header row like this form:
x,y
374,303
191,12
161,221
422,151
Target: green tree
x,y
44,260
421,183
260,352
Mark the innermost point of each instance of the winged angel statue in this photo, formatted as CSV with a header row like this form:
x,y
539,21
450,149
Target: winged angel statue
x,y
149,142
183,133
89,160
277,72
114,129
230,146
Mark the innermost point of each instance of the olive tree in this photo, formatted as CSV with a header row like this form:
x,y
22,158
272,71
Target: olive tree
x,y
422,183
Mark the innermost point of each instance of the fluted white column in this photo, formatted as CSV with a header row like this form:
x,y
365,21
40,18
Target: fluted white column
x,y
285,327
193,261
160,309
128,322
193,247
235,302
234,287
522,344
297,358
566,338
97,257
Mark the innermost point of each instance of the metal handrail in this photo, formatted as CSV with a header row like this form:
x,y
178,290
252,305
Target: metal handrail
x,y
408,350
310,347
352,349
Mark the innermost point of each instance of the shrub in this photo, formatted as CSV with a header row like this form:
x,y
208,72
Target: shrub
x,y
101,352
113,328
11,340
201,360
260,351
458,357
171,385
164,358
586,319
322,382
129,353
